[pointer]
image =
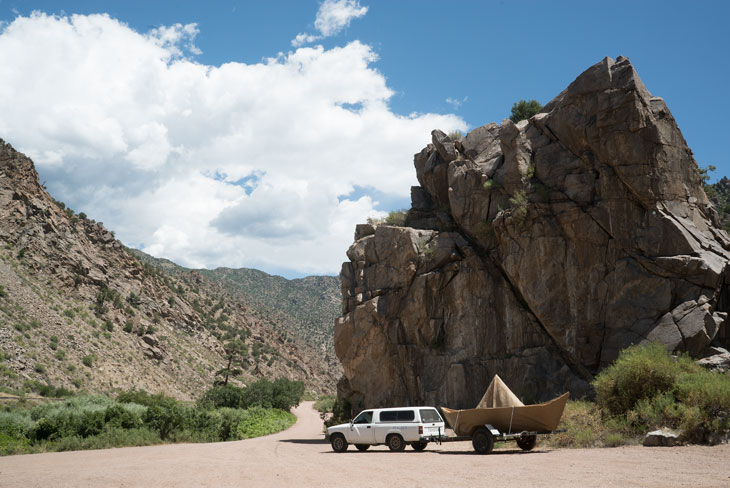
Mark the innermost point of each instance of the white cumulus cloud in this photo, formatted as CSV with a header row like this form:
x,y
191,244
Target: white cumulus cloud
x,y
259,165
332,17
335,15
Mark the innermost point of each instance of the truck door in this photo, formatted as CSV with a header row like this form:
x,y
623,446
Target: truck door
x,y
361,430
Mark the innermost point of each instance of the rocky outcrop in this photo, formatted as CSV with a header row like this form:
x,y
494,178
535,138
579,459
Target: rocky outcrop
x,y
537,251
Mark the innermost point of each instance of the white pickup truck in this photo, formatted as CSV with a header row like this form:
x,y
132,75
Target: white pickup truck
x,y
394,427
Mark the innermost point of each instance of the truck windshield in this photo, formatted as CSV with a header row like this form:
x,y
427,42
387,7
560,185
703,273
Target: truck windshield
x,y
430,415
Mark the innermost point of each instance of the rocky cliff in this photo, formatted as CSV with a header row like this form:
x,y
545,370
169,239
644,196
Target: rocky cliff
x,y
537,251
78,310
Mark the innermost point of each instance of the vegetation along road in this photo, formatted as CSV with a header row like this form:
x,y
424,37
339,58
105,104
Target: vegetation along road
x,y
299,457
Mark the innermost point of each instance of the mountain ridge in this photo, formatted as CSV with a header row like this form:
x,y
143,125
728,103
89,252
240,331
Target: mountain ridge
x,y
78,310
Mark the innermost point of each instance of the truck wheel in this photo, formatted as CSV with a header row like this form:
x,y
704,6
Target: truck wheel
x,y
362,447
526,443
482,440
419,446
339,443
395,443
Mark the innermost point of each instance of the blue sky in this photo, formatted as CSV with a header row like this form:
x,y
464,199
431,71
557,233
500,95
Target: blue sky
x,y
455,63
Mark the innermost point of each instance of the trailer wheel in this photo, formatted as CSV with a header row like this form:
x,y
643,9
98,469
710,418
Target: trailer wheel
x,y
419,446
362,447
482,440
339,443
526,443
395,443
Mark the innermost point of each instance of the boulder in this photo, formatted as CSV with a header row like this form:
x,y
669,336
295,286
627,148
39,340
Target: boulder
x,y
537,251
718,359
662,438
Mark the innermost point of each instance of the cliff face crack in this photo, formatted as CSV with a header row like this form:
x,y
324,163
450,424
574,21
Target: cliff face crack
x,y
567,357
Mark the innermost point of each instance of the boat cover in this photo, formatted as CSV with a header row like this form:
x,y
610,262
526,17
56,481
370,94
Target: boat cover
x,y
498,395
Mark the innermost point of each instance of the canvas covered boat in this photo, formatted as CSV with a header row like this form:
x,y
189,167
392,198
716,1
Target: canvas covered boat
x,y
501,409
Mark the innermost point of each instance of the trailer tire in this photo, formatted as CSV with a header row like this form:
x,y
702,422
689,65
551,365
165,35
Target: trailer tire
x,y
482,440
419,446
527,443
339,443
395,443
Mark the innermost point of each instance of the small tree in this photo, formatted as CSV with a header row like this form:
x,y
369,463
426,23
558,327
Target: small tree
x,y
236,351
524,110
705,173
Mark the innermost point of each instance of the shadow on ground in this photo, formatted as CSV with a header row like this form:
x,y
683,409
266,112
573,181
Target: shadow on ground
x,y
304,441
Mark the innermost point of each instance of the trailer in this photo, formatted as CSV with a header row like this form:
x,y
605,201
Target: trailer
x,y
483,438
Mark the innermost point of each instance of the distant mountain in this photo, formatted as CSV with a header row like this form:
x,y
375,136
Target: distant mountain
x,y
307,307
79,310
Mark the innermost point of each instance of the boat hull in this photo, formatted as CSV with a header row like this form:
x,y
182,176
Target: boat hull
x,y
540,418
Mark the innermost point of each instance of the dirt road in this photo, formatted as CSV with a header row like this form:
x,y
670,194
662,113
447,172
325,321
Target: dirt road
x,y
299,457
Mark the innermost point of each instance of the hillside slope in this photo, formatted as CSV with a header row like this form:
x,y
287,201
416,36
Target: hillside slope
x,y
78,310
305,307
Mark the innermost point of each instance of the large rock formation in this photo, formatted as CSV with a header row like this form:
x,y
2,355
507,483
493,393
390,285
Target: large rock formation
x,y
537,251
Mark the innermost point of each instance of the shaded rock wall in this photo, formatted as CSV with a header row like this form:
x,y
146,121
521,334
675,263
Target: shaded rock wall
x,y
537,251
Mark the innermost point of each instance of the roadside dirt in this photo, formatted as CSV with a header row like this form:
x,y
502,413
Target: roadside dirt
x,y
299,457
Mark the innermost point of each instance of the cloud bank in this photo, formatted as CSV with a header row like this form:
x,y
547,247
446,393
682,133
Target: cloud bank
x,y
257,165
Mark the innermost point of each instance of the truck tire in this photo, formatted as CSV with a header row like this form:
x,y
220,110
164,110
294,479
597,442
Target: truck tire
x,y
362,447
338,442
482,440
395,443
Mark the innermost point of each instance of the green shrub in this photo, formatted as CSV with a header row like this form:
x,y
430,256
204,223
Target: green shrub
x,y
491,184
325,404
397,218
16,423
12,445
120,416
107,439
519,205
286,393
167,417
638,373
88,360
649,388
135,418
264,422
341,413
524,110
222,396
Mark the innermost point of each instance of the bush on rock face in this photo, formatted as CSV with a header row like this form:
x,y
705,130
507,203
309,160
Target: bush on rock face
x,y
524,109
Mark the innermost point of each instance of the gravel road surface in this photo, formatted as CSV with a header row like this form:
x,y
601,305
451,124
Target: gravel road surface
x,y
299,457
